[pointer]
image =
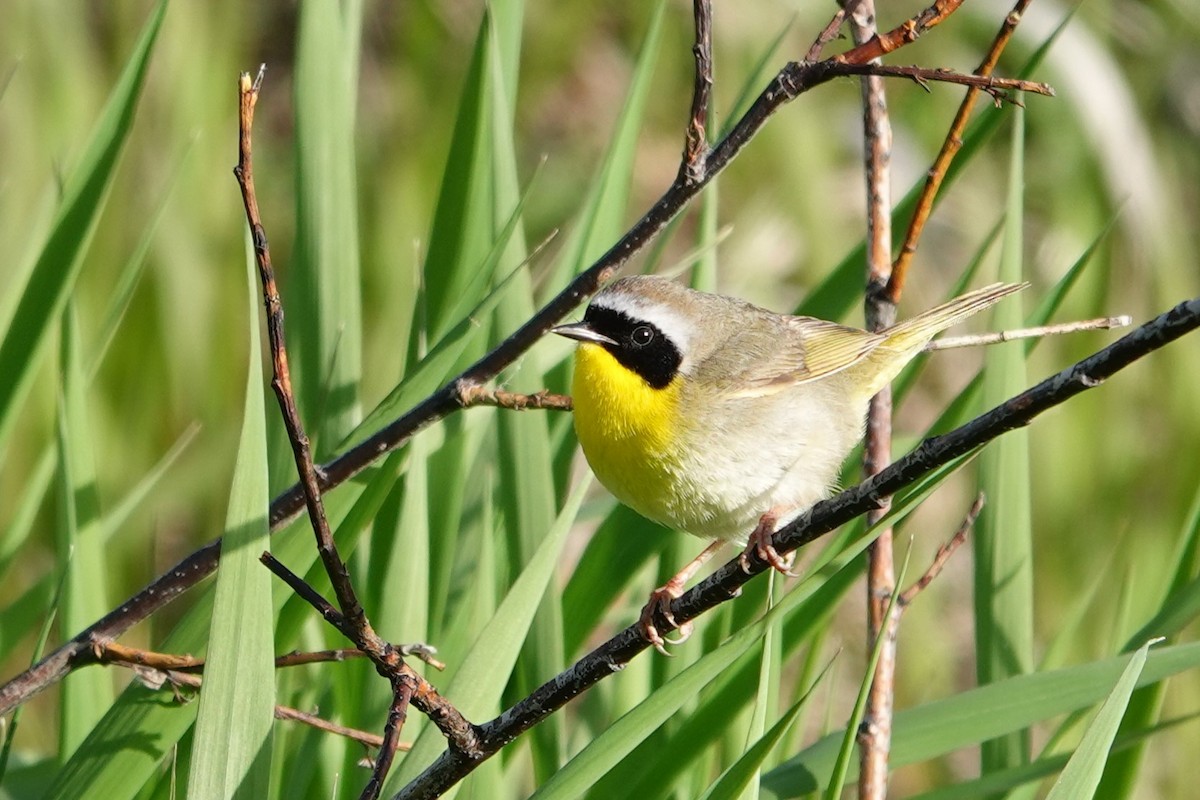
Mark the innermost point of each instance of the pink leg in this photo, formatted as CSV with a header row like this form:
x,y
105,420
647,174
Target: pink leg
x,y
761,544
660,601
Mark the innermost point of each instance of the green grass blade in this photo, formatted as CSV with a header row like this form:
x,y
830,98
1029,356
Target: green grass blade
x,y
987,712
81,554
1006,780
1003,535
325,304
740,776
602,218
477,685
1082,774
58,264
231,752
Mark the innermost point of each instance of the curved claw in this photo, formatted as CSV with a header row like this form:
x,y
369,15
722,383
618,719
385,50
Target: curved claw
x,y
660,601
761,544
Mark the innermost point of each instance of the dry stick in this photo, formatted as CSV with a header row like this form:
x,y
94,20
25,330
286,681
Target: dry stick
x,y
155,678
874,735
695,146
792,80
281,381
999,337
478,395
943,555
950,147
402,694
352,620
827,515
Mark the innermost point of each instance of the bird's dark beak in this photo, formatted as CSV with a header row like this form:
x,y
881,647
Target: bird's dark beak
x,y
581,331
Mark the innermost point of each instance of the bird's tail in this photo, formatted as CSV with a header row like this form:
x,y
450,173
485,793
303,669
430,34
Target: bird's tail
x,y
905,339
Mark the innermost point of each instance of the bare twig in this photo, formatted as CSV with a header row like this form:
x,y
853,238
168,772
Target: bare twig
x,y
722,585
312,720
943,555
350,618
695,147
281,381
950,147
874,734
402,693
476,395
998,337
827,35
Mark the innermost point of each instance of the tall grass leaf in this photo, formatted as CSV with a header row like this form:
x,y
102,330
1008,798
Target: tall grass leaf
x,y
231,751
623,543
462,224
44,295
86,694
987,712
1082,774
602,217
1180,605
24,515
103,766
735,781
9,730
846,751
131,273
325,303
1003,535
477,685
612,745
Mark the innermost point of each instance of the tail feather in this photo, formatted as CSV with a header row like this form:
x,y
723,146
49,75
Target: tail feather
x,y
905,339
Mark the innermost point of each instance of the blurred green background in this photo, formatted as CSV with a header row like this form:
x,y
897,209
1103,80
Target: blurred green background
x,y
1113,473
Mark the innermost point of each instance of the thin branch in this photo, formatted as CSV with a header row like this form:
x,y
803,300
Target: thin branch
x,y
827,35
474,394
364,738
874,734
950,147
943,555
695,147
792,80
724,584
998,337
281,382
402,693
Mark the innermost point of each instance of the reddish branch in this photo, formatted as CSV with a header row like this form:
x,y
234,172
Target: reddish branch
x,y
875,732
950,147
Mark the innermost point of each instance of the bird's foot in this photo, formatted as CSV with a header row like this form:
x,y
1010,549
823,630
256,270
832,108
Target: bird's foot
x,y
761,543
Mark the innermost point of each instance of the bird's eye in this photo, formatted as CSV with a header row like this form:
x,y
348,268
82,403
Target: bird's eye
x,y
642,335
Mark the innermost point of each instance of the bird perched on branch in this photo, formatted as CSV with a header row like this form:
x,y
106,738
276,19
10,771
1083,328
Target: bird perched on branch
x,y
716,417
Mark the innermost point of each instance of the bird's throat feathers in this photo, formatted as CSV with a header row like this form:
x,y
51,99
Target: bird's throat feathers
x,y
622,421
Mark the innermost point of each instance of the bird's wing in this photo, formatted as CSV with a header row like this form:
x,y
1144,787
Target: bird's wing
x,y
806,349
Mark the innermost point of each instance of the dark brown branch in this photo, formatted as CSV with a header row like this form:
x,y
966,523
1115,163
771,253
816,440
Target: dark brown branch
x,y
827,35
402,693
281,381
722,585
789,83
942,556
950,147
695,146
350,619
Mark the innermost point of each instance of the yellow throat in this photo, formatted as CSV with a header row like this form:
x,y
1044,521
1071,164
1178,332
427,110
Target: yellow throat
x,y
627,429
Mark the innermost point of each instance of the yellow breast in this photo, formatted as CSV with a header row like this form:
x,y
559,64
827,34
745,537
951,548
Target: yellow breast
x,y
627,430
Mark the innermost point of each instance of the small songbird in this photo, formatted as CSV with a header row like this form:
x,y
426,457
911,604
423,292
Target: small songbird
x,y
713,416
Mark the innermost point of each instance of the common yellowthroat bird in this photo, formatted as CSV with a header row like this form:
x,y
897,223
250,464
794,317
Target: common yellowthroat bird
x,y
714,416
